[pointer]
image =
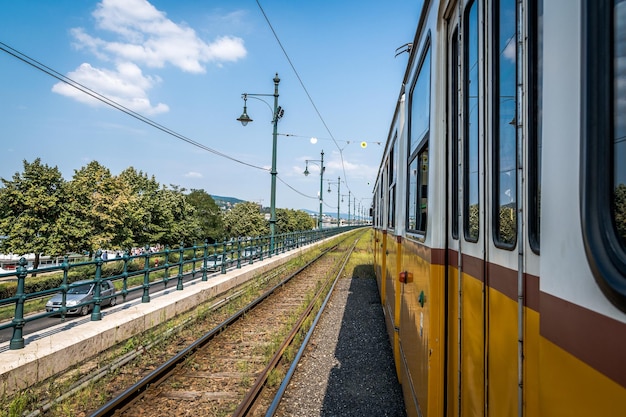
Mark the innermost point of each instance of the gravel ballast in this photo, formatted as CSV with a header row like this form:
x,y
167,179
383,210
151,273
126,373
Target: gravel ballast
x,y
348,368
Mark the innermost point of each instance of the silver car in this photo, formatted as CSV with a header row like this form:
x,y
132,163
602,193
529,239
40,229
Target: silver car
x,y
82,292
215,262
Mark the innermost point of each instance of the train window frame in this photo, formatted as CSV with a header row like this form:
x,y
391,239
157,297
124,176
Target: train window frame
x,y
535,116
501,153
467,227
453,94
391,187
417,194
605,250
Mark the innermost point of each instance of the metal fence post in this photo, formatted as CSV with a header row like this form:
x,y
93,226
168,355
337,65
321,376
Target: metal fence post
x,y
146,275
204,259
96,314
193,262
166,278
223,257
17,341
238,253
181,251
64,287
125,258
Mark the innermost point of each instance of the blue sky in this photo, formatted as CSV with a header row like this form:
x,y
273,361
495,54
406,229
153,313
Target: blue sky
x,y
184,65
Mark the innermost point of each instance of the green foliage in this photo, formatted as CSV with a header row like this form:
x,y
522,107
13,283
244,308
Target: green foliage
x,y
41,213
102,202
289,220
507,224
474,222
620,211
208,215
245,220
32,205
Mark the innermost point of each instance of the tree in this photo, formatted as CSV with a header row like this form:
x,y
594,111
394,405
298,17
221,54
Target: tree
x,y
289,220
245,220
102,201
304,221
177,221
620,211
143,209
32,203
207,214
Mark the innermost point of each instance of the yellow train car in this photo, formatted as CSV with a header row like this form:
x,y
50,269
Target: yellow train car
x,y
499,210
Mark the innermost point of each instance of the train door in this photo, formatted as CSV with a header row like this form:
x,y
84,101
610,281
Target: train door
x,y
452,272
467,318
503,258
485,263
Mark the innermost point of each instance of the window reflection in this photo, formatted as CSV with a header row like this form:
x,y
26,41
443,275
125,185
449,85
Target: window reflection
x,y
412,217
454,131
471,178
418,148
506,128
619,118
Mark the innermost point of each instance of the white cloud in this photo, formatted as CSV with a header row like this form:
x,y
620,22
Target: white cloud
x,y
126,85
140,36
192,174
146,36
509,50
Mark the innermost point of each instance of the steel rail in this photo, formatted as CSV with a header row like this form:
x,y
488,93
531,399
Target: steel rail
x,y
126,398
283,386
249,400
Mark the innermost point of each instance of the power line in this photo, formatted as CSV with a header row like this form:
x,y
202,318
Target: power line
x,y
80,87
306,91
112,103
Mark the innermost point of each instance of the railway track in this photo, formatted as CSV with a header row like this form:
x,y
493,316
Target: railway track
x,y
236,366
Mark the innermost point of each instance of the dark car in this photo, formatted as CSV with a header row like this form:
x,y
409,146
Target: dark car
x,y
82,292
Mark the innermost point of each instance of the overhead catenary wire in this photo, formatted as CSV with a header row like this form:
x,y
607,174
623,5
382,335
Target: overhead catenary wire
x,y
112,103
306,91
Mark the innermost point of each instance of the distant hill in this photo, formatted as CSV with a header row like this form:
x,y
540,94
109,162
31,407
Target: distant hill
x,y
226,203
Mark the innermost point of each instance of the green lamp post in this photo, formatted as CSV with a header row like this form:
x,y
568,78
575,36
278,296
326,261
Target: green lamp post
x,y
277,114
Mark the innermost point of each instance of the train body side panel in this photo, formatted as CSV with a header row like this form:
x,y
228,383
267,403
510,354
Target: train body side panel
x,y
390,286
473,346
452,339
421,329
531,357
581,361
569,387
502,346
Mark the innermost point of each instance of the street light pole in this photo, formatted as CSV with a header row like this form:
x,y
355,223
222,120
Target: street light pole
x,y
278,113
306,172
273,172
338,198
342,196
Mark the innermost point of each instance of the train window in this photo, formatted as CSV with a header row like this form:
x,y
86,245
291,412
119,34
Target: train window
x,y
471,204
536,122
505,124
603,210
392,185
419,122
454,131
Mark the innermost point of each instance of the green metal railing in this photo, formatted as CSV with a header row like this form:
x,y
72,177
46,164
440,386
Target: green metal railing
x,y
135,271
